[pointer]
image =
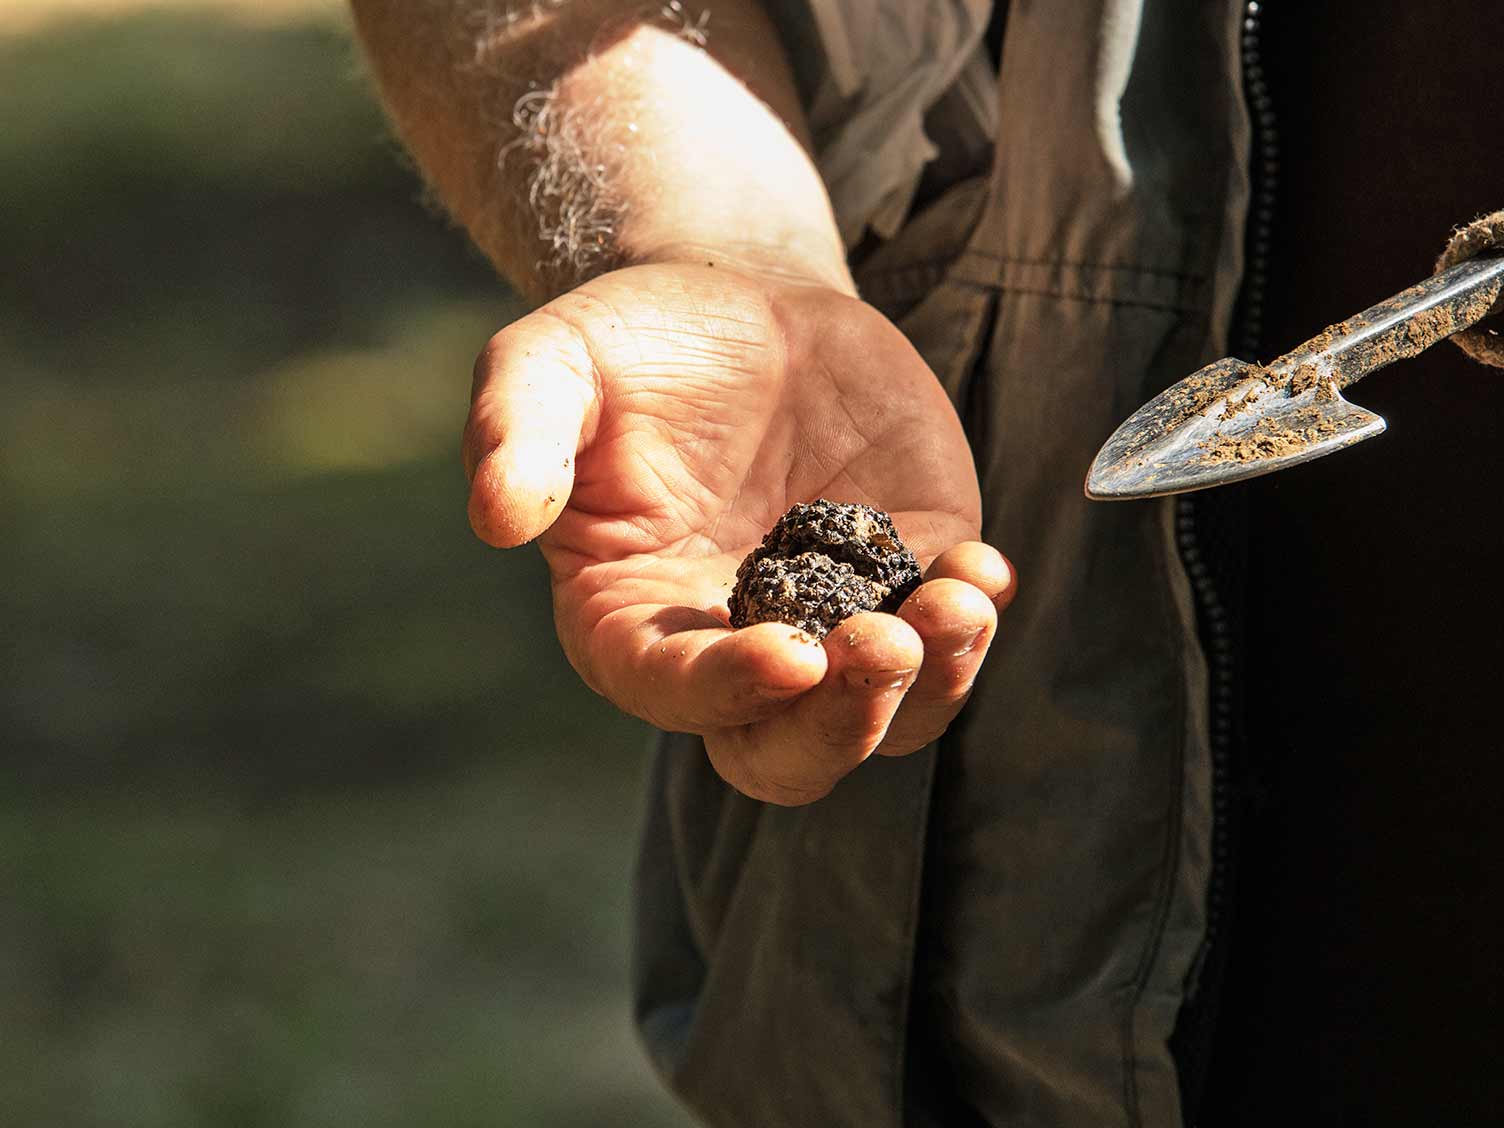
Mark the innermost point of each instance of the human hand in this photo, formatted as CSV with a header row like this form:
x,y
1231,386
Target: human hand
x,y
650,426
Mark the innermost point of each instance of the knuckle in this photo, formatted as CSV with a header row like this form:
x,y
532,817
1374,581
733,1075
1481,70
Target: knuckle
x,y
486,362
911,737
579,658
782,795
472,446
735,766
948,697
623,691
904,744
837,732
925,721
481,521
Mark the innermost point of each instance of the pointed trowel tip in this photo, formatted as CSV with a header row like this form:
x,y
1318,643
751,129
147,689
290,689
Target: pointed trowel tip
x,y
1106,482
1144,457
1227,423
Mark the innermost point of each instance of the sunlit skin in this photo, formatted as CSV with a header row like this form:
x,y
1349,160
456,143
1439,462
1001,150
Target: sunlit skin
x,y
649,425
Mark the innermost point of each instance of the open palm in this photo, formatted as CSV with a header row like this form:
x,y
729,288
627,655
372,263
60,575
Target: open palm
x,y
651,426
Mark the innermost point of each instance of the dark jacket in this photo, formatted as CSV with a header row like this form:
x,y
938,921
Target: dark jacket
x,y
1029,924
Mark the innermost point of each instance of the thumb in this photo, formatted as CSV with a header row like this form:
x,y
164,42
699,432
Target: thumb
x,y
534,404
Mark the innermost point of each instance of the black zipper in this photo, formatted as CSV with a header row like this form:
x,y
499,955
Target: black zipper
x,y
1264,176
1212,614
1215,619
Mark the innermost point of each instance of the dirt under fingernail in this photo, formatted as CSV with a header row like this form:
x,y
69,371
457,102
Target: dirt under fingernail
x,y
877,681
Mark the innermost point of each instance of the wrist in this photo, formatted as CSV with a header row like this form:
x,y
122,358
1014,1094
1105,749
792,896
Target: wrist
x,y
780,261
715,177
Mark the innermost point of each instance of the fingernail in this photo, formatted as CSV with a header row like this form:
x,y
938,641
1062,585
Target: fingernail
x,y
968,644
877,681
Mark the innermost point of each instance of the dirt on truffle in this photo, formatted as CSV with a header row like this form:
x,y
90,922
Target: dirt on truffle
x,y
823,562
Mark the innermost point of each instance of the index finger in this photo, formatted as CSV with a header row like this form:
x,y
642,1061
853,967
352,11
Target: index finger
x,y
797,755
683,670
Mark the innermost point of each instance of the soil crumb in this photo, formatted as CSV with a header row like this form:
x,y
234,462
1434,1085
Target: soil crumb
x,y
1409,338
1307,376
1268,439
1194,395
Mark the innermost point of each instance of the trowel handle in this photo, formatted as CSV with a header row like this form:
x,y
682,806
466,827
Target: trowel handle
x,y
1404,325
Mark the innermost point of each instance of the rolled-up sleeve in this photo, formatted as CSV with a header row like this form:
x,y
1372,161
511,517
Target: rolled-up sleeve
x,y
886,83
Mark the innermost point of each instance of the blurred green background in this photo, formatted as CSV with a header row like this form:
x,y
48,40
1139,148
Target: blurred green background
x,y
304,819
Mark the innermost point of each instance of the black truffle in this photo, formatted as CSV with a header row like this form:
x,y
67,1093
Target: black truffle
x,y
821,563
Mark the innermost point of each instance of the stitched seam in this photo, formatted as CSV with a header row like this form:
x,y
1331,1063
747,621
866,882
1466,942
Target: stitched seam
x,y
1168,557
965,314
924,268
903,288
1098,299
1125,268
911,935
949,355
921,268
1170,859
901,268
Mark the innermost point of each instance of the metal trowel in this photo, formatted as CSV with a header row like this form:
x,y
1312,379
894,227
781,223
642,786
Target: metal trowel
x,y
1234,420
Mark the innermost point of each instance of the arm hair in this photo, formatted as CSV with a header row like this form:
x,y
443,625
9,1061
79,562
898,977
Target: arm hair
x,y
570,137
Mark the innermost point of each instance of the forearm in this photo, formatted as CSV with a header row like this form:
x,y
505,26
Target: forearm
x,y
600,133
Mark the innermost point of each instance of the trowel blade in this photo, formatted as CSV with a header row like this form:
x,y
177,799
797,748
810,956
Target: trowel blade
x,y
1227,422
